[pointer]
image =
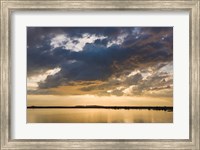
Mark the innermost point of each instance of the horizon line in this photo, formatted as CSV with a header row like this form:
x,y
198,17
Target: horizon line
x,y
169,108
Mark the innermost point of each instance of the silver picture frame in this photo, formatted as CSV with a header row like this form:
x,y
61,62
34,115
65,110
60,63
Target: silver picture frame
x,y
10,6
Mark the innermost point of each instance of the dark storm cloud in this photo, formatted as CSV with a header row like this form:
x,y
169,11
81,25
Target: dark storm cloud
x,y
96,61
37,35
133,80
77,71
41,58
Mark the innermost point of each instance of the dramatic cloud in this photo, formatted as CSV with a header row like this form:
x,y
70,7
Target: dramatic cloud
x,y
34,80
74,44
100,60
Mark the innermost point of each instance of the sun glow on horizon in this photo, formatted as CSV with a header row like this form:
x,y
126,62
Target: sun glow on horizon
x,y
72,100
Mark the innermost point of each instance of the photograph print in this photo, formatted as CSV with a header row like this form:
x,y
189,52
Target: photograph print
x,y
99,74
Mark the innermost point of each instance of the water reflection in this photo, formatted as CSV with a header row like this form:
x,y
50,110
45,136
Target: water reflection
x,y
98,116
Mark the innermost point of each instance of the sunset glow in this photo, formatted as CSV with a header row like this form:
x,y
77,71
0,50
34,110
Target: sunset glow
x,y
106,66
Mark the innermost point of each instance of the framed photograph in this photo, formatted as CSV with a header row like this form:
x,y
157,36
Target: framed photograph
x,y
100,74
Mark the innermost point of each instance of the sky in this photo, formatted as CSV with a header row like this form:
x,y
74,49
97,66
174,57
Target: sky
x,y
100,65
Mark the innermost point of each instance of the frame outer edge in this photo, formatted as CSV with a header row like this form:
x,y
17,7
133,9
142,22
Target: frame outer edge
x,y
4,77
194,73
80,144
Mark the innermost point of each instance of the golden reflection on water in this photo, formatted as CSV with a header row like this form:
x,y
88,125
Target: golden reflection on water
x,y
98,116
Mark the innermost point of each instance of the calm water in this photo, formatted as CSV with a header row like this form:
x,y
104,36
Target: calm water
x,y
98,116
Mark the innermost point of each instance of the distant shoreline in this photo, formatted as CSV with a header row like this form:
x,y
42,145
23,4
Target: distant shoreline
x,y
164,108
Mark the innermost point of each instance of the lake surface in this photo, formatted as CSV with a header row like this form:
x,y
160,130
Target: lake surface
x,y
59,115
